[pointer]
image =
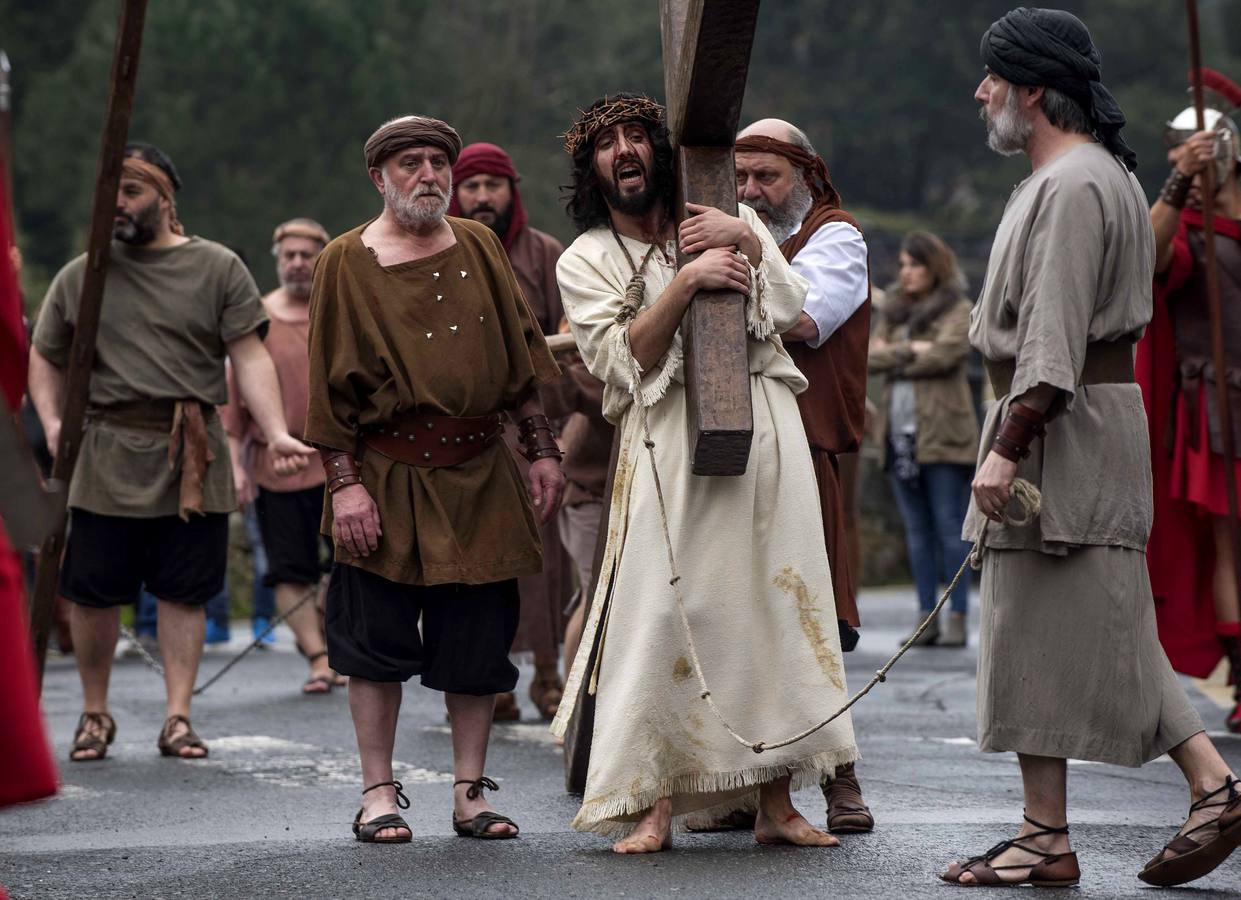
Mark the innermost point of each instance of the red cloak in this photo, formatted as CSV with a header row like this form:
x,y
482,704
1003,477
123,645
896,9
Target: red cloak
x,y
1180,555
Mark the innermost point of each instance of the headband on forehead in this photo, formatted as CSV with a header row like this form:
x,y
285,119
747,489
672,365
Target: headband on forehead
x,y
608,112
304,228
135,167
813,168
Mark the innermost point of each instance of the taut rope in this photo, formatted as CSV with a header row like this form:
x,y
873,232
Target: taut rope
x,y
258,639
1024,494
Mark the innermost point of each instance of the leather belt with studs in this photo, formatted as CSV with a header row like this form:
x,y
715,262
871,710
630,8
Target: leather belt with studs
x,y
434,441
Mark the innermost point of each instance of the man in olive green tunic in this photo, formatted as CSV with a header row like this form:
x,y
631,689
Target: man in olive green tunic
x,y
152,488
419,339
1070,666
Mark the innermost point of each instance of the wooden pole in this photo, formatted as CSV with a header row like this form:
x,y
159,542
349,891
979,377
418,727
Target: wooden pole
x,y
1223,407
82,353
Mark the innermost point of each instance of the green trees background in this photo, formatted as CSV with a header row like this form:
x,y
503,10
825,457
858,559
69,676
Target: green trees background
x,y
264,104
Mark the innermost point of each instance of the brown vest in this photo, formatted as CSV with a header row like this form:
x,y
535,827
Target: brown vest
x,y
833,408
1191,323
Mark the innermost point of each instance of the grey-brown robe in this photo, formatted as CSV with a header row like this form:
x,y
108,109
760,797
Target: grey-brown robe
x,y
1069,662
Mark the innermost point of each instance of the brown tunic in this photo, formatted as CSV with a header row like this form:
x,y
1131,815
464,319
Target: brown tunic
x,y
445,335
533,256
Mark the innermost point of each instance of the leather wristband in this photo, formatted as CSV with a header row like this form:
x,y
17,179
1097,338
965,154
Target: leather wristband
x,y
537,440
1175,191
1018,430
341,469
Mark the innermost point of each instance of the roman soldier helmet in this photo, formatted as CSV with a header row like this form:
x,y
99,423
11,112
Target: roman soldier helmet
x,y
1222,98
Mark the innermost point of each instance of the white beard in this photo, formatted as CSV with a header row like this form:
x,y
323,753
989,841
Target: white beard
x,y
1007,133
418,209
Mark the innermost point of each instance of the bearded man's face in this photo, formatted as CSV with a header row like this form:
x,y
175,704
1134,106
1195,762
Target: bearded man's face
x,y
1008,126
138,214
774,188
625,166
488,199
417,183
295,265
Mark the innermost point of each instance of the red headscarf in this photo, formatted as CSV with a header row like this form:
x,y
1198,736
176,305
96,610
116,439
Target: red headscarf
x,y
488,159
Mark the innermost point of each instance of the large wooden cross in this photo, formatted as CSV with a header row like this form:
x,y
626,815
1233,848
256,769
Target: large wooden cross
x,y
706,45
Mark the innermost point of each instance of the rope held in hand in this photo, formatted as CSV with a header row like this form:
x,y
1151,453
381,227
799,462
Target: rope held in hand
x,y
1024,494
155,664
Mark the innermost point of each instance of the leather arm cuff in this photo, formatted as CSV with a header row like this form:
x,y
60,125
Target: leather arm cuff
x,y
537,440
1018,430
1175,190
341,469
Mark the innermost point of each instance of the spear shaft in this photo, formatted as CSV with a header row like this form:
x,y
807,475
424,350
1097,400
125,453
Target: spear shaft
x,y
1214,307
82,352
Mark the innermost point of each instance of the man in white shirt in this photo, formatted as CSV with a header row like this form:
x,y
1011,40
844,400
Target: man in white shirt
x,y
786,182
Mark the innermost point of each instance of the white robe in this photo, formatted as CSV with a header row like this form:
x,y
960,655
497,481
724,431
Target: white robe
x,y
752,559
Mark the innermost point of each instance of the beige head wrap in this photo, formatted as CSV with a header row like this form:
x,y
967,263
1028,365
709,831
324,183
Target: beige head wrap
x,y
411,131
301,227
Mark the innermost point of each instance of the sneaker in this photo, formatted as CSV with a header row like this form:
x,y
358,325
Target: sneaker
x,y
217,634
259,625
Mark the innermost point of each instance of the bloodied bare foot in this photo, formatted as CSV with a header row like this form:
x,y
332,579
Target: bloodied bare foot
x,y
652,834
778,822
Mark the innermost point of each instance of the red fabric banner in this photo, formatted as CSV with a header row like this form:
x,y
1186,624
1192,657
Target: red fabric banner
x,y
26,768
12,331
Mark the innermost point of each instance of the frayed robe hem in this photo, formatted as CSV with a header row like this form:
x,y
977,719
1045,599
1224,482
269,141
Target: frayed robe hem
x,y
615,817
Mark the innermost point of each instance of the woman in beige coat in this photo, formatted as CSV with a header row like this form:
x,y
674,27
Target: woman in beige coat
x,y
927,424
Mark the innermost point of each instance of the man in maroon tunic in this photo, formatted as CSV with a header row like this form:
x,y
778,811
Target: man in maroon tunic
x,y
485,190
781,176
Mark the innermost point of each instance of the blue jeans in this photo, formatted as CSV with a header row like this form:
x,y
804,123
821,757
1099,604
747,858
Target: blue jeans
x,y
146,618
264,597
933,505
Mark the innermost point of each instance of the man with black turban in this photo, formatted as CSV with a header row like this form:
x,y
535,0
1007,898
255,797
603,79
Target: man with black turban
x,y
1069,663
419,342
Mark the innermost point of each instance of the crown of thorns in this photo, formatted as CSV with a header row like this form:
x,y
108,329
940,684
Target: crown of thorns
x,y
608,112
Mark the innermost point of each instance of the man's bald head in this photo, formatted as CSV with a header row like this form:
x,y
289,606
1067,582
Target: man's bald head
x,y
772,178
779,130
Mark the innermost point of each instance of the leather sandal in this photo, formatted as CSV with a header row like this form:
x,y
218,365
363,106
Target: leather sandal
x,y
477,826
328,681
737,820
546,691
170,746
506,708
366,831
84,739
1190,858
1053,870
847,813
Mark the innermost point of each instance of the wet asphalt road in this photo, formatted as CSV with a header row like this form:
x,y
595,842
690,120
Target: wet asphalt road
x,y
267,815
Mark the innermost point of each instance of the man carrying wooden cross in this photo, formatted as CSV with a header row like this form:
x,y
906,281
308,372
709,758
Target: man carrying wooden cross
x,y
754,573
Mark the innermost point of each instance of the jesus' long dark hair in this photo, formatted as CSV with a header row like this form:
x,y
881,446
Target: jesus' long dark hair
x,y
585,202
